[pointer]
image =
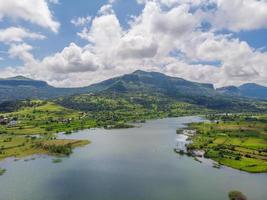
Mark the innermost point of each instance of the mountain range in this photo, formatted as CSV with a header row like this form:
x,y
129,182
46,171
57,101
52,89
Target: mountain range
x,y
138,82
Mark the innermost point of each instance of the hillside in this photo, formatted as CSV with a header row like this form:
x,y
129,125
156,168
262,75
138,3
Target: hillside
x,y
139,84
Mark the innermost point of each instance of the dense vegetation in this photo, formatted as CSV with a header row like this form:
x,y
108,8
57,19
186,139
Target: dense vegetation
x,y
124,108
238,141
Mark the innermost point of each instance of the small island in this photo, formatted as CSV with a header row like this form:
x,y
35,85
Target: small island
x,y
2,171
236,195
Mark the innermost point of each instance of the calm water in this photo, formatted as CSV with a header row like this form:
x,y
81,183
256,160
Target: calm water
x,y
131,164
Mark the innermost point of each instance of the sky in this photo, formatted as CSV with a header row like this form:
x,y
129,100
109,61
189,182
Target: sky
x,y
77,43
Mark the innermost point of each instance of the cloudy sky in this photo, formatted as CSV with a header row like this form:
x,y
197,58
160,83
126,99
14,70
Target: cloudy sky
x,y
76,43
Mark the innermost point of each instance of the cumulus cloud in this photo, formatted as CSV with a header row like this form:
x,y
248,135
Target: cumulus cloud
x,y
167,36
34,11
17,34
137,47
71,59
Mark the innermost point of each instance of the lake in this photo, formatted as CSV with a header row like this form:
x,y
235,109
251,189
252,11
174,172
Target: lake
x,y
127,164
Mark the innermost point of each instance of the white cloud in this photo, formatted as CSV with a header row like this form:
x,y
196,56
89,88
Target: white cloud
x,y
34,11
106,10
104,37
165,37
137,47
17,34
81,21
22,51
71,59
237,15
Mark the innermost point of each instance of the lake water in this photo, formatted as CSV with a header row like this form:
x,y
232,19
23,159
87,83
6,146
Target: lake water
x,y
127,164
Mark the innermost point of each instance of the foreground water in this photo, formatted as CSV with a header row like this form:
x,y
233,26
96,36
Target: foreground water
x,y
127,164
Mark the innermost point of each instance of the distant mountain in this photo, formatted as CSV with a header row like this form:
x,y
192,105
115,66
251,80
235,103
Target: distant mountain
x,y
19,88
250,90
22,81
138,86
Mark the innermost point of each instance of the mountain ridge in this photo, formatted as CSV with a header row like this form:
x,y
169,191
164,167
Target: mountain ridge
x,y
20,87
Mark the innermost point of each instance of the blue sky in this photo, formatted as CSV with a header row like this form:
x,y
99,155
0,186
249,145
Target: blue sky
x,y
38,39
64,11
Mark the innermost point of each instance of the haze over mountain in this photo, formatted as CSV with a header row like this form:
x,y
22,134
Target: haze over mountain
x,y
19,88
250,90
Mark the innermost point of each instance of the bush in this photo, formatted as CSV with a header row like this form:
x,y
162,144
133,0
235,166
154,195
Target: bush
x,y
236,195
2,171
56,149
237,158
60,149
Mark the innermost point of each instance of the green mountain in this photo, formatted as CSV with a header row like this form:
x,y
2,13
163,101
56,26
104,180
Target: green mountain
x,y
141,81
142,88
153,88
250,90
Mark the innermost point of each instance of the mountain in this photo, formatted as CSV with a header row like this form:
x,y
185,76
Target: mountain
x,y
137,87
22,81
155,82
19,88
139,81
153,88
250,90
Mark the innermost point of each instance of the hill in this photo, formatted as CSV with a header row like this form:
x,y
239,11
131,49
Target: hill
x,y
250,90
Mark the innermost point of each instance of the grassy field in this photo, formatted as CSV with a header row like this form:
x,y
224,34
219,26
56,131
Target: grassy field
x,y
237,141
33,132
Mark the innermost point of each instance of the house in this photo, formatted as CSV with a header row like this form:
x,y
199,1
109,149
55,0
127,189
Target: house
x,y
12,123
3,120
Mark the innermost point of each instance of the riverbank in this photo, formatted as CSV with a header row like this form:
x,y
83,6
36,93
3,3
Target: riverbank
x,y
137,163
23,147
38,121
236,141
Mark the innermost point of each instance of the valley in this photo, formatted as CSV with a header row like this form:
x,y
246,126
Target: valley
x,y
40,121
28,126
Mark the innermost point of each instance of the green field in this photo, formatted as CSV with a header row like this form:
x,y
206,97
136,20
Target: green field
x,y
33,132
237,141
